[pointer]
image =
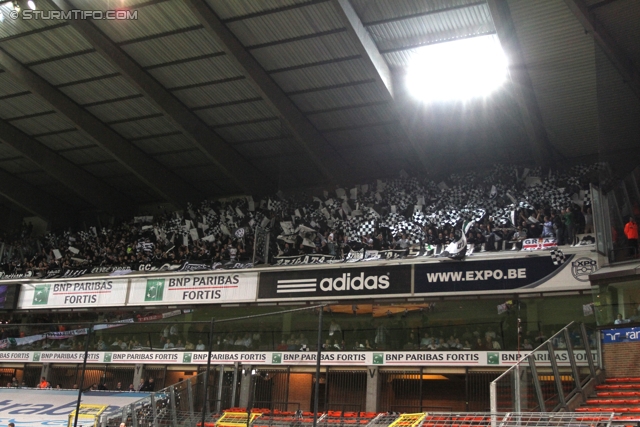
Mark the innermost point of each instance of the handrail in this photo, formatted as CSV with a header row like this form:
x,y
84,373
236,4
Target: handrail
x,y
523,358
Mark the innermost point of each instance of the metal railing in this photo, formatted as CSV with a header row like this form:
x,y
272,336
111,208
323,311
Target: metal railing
x,y
177,405
546,378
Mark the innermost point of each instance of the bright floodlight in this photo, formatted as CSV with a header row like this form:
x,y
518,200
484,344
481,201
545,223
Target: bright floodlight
x,y
457,70
31,5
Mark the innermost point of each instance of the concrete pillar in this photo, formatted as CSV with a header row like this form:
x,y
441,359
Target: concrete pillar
x,y
138,372
373,388
245,386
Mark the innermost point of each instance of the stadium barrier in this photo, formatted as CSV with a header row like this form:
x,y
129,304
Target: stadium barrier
x,y
537,382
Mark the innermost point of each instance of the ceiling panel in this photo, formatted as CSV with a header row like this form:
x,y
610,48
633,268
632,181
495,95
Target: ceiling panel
x,y
22,106
66,140
306,51
18,165
120,110
174,47
162,144
88,155
196,72
46,44
227,9
287,24
43,124
152,20
216,93
144,127
235,113
100,90
77,68
323,75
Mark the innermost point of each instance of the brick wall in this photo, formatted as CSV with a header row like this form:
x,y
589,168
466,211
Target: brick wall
x,y
622,359
300,386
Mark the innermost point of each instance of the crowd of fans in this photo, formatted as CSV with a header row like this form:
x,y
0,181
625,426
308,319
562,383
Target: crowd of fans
x,y
341,333
505,203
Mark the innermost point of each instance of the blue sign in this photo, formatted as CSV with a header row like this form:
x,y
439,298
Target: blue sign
x,y
610,336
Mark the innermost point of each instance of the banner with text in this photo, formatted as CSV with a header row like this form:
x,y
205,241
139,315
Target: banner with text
x,y
610,336
534,273
299,358
87,293
335,283
201,288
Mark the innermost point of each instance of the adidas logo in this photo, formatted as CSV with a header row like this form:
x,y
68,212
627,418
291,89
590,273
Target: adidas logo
x,y
343,283
357,283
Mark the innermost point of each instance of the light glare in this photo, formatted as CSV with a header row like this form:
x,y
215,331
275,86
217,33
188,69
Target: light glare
x,y
31,5
457,70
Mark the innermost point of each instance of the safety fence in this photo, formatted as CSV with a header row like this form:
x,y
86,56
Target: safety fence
x,y
264,418
538,383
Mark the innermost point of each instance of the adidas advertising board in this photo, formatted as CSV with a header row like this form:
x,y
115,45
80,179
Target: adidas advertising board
x,y
335,283
194,289
81,293
535,274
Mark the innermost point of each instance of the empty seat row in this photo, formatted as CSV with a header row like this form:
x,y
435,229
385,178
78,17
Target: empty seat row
x,y
613,401
618,394
617,386
623,380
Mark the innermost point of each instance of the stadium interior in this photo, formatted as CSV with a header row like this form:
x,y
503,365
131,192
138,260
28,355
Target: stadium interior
x,y
319,212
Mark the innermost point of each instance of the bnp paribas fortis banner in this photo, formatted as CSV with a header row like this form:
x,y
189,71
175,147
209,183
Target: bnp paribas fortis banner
x,y
299,358
70,294
201,288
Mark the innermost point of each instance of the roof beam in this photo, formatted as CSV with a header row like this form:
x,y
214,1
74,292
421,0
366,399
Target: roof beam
x,y
366,46
543,153
310,140
168,185
225,158
31,198
616,53
383,78
85,185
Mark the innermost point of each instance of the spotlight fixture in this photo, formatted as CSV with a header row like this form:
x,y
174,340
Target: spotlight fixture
x,y
458,70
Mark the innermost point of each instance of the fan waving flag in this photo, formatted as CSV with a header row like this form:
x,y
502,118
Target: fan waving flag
x,y
458,249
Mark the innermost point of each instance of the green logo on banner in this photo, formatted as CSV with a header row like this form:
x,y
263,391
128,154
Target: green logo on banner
x,y
155,290
107,358
493,358
186,358
41,294
378,358
36,356
276,358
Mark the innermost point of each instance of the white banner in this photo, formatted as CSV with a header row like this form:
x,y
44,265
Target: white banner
x,y
297,358
72,294
201,288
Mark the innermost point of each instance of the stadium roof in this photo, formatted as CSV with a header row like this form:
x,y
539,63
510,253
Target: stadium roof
x,y
203,98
